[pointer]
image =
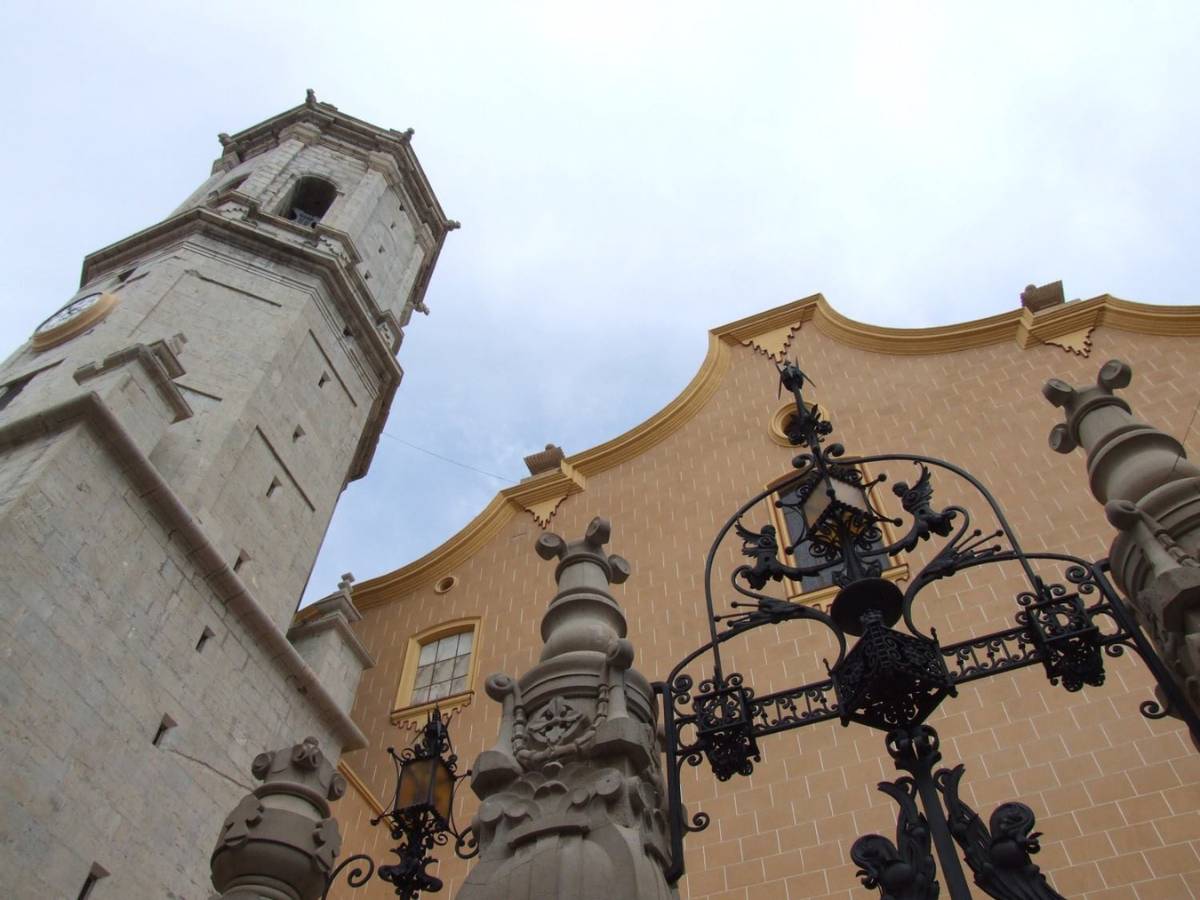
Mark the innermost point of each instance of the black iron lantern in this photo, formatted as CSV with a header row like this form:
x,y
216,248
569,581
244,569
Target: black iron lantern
x,y
891,678
421,815
424,778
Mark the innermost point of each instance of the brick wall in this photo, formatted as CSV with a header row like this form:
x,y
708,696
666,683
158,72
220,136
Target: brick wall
x,y
1115,794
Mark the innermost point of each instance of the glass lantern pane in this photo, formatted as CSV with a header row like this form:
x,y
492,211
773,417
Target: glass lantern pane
x,y
416,783
443,789
424,676
427,654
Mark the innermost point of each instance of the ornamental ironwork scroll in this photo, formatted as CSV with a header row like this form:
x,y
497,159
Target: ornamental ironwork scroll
x,y
894,675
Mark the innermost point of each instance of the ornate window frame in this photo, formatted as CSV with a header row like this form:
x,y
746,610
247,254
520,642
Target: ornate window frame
x,y
402,709
898,571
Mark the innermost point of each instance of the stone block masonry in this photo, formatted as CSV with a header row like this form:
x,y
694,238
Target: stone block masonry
x,y
167,472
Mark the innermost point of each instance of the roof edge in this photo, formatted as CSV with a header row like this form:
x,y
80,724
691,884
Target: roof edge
x,y
254,139
1022,326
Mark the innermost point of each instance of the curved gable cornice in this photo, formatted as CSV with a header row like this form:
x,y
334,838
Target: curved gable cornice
x,y
771,332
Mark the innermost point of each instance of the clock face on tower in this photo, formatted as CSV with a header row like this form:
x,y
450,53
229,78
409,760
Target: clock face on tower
x,y
73,319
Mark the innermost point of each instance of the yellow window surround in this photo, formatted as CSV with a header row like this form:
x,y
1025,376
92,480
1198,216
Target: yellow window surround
x,y
403,710
822,596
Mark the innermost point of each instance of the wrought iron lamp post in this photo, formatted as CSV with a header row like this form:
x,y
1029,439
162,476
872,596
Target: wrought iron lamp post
x,y
892,679
421,815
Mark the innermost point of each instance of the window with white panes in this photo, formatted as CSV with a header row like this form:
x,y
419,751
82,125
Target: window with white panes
x,y
443,668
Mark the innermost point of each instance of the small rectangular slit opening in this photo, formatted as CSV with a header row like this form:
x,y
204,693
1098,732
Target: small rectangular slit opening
x,y
164,726
272,487
242,558
205,636
97,872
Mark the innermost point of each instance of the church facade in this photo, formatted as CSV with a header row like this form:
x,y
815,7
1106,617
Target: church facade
x,y
173,441
1115,794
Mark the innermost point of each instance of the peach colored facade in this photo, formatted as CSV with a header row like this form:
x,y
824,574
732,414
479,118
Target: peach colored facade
x,y
1116,795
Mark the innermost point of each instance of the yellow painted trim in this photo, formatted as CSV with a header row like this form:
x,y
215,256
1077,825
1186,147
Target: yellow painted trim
x,y
543,511
360,786
779,418
1077,342
914,341
667,420
438,562
898,572
89,318
793,314
402,710
1020,325
461,547
774,343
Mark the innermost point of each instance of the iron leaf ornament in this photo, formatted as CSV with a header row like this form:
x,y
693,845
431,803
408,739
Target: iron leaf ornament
x,y
998,853
903,870
830,532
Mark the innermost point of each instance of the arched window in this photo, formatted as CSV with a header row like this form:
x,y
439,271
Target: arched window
x,y
310,200
439,669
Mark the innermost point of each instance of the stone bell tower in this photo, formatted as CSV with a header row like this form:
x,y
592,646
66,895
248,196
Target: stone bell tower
x,y
173,441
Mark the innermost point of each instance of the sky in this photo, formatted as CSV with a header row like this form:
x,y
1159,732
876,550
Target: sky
x,y
628,175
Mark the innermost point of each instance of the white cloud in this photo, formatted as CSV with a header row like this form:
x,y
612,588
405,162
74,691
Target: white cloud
x,y
629,175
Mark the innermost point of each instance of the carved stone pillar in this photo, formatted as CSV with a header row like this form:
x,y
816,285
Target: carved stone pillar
x,y
1151,495
572,793
280,842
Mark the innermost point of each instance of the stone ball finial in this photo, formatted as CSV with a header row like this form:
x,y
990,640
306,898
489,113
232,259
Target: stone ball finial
x,y
261,766
1114,375
1061,440
550,545
620,569
598,532
1058,392
498,686
1122,514
307,754
620,653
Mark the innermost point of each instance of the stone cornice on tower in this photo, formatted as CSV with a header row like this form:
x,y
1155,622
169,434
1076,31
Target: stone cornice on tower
x,y
356,135
349,292
767,332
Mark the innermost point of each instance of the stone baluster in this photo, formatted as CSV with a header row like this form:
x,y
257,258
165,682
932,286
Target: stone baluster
x,y
572,793
1151,493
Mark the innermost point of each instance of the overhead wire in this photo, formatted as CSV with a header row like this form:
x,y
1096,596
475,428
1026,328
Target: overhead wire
x,y
453,462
